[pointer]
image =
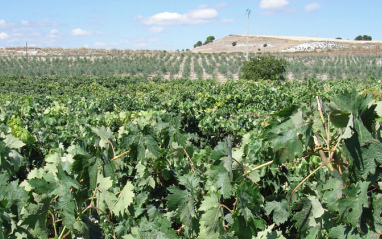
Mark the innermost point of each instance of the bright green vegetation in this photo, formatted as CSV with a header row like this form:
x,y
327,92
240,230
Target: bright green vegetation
x,y
123,157
189,65
264,67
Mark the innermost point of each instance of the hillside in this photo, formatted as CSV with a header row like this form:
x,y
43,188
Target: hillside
x,y
287,44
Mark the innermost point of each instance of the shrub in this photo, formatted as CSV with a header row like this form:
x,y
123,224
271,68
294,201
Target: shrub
x,y
234,43
264,67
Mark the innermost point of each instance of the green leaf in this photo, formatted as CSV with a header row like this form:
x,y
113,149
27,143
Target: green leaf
x,y
13,142
34,216
351,207
64,182
105,134
279,209
223,182
353,102
105,198
269,233
377,211
184,201
339,118
333,191
124,200
211,221
306,218
363,150
249,200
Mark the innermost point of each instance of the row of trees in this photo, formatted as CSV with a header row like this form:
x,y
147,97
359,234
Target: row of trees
x,y
207,41
363,38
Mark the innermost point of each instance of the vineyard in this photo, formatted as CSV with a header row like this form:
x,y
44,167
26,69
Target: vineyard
x,y
174,65
128,146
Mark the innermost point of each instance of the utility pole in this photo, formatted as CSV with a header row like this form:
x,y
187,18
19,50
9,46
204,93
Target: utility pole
x,y
26,52
248,12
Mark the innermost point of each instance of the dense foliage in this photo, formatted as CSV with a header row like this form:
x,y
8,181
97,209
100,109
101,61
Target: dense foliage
x,y
363,38
264,67
122,157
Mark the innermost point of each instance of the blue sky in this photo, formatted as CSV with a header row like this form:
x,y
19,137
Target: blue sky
x,y
176,24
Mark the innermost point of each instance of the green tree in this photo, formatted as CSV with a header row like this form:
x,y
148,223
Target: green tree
x,y
199,43
366,38
363,38
264,67
209,40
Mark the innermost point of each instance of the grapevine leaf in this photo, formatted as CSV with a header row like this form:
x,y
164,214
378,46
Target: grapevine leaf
x,y
351,207
279,209
13,142
377,211
339,118
249,200
67,207
269,233
105,134
288,144
349,128
223,151
125,198
211,221
105,199
64,182
223,182
183,201
333,191
151,145
306,218
344,232
246,229
363,150
353,102
34,216
190,182
11,192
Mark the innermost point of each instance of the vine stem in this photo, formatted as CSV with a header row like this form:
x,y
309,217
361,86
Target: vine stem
x,y
303,181
256,168
245,170
231,211
54,223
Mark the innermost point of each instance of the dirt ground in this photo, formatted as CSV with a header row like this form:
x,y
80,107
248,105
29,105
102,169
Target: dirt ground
x,y
281,44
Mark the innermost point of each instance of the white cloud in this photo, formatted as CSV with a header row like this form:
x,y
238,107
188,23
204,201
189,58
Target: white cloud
x,y
204,13
38,23
3,35
80,32
5,24
53,33
201,15
135,43
273,4
156,29
313,7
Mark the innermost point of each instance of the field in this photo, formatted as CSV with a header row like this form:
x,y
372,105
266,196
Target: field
x,y
175,65
124,144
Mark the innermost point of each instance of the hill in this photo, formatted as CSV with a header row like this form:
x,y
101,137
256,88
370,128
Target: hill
x,y
275,44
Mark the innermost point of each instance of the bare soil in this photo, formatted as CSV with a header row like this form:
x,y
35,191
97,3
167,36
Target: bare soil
x,y
281,44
